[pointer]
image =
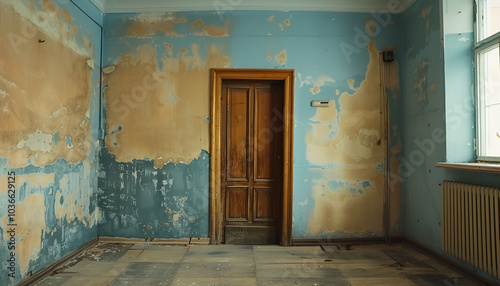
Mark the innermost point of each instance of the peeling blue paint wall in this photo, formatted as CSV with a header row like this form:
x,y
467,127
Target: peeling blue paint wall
x,y
55,201
330,53
442,127
139,201
424,123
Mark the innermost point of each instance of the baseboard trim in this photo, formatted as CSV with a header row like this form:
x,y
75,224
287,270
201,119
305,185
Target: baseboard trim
x,y
165,241
448,262
49,269
336,241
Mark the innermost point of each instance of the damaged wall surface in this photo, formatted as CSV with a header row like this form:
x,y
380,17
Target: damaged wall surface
x,y
157,107
438,88
424,109
49,109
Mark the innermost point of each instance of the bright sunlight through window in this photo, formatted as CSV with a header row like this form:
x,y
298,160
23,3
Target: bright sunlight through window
x,y
488,79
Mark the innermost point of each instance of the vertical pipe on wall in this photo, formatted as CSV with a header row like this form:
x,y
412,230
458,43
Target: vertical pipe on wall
x,y
100,135
385,138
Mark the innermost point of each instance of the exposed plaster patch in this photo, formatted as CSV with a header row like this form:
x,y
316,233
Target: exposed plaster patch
x,y
349,148
427,30
425,12
60,112
177,217
37,141
319,83
303,203
69,143
350,82
52,22
281,58
30,220
420,84
307,81
201,29
148,24
29,73
359,146
270,19
71,203
169,49
285,23
464,39
162,111
432,87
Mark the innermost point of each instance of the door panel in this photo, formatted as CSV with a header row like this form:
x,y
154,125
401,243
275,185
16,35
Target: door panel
x,y
237,202
264,207
264,167
252,152
238,129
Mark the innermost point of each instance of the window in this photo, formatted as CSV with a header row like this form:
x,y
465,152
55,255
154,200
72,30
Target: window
x,y
488,79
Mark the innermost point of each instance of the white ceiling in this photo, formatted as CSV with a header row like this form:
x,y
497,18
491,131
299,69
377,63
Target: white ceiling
x,y
129,6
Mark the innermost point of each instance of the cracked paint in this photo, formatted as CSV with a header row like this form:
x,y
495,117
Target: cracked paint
x,y
176,206
420,84
199,28
47,95
349,196
281,58
35,109
319,83
148,24
140,94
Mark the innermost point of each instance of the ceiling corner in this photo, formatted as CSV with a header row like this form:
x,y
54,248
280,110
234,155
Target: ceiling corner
x,y
100,4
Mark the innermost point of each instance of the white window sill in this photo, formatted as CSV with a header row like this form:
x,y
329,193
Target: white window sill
x,y
477,167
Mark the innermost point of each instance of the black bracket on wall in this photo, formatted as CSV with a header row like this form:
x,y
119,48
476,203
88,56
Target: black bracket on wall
x,y
388,56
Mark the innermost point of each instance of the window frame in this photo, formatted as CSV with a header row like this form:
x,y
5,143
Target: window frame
x,y
480,47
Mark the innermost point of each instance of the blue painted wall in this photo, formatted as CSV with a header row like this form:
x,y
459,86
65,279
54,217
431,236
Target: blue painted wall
x,y
439,120
49,97
424,122
139,201
150,177
165,58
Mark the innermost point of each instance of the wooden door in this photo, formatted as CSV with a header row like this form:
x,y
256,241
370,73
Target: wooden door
x,y
252,152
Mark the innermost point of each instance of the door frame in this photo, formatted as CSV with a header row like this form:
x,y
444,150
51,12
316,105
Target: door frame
x,y
287,76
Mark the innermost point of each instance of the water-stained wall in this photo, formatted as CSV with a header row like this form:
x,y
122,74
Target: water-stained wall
x,y
49,98
154,167
438,89
425,128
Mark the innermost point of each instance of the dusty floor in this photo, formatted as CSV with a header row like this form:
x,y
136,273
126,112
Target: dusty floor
x,y
146,264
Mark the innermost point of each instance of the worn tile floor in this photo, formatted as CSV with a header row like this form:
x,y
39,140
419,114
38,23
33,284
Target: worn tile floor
x,y
239,265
